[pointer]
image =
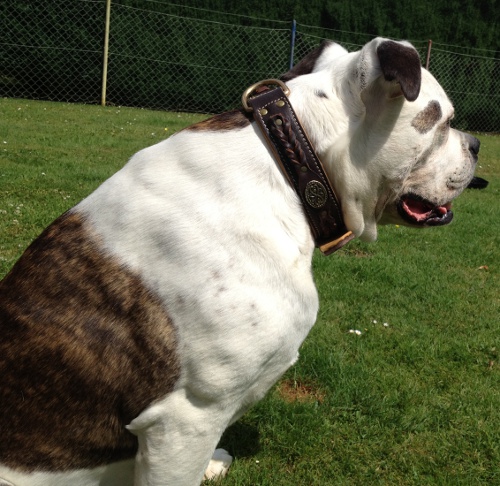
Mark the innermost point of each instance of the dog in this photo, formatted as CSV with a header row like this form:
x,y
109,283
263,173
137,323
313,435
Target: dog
x,y
145,320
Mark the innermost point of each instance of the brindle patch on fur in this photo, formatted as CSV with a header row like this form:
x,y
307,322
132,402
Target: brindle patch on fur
x,y
84,348
425,120
229,120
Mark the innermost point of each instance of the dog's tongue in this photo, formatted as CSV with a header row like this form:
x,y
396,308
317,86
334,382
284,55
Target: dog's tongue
x,y
421,210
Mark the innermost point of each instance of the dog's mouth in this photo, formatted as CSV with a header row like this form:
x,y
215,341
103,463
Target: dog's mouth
x,y
419,211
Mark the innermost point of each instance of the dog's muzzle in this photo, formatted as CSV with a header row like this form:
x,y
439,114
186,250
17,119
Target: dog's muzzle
x,y
416,210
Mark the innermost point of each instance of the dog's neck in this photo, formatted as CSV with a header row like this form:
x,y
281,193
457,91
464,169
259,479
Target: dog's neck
x,y
292,149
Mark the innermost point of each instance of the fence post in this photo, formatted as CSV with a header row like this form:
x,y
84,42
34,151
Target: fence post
x,y
292,41
105,54
428,58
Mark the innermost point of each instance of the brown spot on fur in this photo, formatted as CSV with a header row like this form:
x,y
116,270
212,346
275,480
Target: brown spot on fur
x,y
84,348
230,120
425,120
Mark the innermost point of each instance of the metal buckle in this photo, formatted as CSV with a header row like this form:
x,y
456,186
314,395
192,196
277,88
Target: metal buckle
x,y
266,82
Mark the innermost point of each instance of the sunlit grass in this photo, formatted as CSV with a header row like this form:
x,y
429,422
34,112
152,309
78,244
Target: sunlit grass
x,y
54,154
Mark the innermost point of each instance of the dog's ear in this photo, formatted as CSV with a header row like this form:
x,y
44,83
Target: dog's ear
x,y
397,62
307,64
401,63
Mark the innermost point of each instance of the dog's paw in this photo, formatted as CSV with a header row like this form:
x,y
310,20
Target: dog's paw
x,y
219,465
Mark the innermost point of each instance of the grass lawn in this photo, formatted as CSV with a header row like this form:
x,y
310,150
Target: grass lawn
x,y
412,400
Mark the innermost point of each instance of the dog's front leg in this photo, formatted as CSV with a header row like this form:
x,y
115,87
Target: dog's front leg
x,y
177,438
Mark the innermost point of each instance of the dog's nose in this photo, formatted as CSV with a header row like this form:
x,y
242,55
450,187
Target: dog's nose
x,y
474,144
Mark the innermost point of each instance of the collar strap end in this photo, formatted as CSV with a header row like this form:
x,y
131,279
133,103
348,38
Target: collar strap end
x,y
332,246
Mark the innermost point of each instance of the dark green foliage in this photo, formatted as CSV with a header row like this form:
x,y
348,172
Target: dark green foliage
x,y
47,55
463,73
470,23
201,55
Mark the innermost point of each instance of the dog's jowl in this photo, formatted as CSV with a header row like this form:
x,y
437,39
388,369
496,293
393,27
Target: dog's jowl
x,y
153,314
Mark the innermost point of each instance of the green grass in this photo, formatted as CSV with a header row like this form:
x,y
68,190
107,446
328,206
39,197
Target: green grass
x,y
53,154
415,402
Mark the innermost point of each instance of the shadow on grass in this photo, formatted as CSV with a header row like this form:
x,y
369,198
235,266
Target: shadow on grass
x,y
241,440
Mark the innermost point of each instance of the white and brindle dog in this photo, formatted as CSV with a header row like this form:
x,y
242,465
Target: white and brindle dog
x,y
145,320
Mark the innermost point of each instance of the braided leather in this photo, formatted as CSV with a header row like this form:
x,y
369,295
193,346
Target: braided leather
x,y
293,150
289,142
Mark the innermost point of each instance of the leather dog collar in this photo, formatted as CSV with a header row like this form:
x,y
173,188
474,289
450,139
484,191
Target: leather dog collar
x,y
291,147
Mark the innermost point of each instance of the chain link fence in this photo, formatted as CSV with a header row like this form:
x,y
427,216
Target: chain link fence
x,y
172,57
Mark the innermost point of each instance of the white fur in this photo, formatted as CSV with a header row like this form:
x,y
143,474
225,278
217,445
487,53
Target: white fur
x,y
219,465
211,225
365,139
208,238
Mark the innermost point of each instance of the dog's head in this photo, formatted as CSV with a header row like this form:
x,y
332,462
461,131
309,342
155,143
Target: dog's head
x,y
381,126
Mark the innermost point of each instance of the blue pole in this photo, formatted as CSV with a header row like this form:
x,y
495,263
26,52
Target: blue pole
x,y
292,41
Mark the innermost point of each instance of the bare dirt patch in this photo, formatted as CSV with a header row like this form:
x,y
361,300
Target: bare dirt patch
x,y
300,391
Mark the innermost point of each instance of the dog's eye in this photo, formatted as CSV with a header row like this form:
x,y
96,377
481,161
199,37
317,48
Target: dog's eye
x,y
447,124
